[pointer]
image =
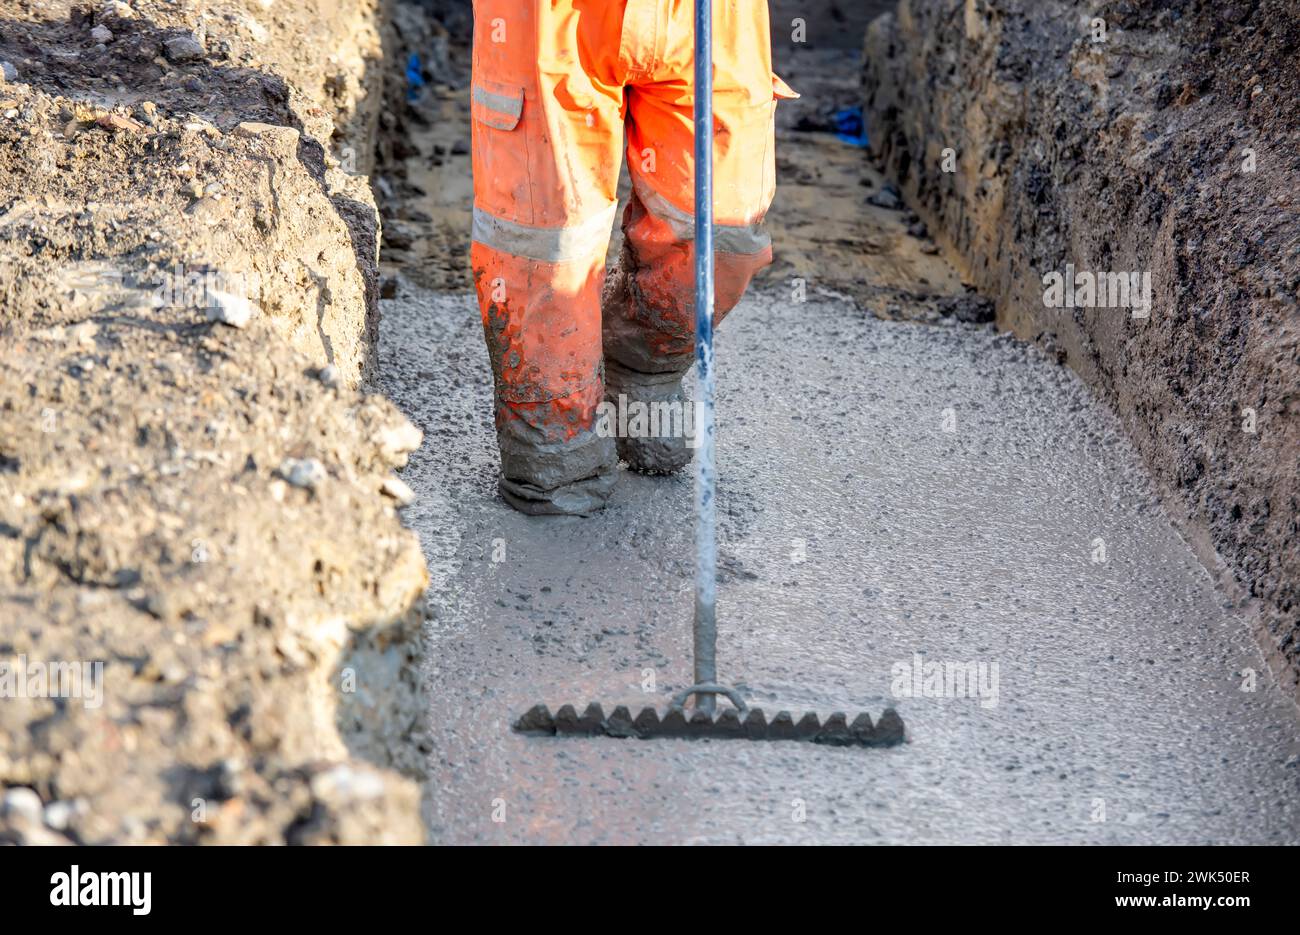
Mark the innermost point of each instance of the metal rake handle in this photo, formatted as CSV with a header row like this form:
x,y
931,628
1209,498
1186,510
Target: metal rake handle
x,y
706,477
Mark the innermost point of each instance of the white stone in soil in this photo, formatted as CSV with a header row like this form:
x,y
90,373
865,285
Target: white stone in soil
x,y
22,807
58,815
230,309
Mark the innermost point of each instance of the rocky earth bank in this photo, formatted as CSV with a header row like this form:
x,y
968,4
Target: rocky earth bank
x,y
209,608
1133,136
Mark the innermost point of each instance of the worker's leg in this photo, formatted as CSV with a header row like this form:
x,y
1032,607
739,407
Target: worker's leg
x,y
649,303
547,129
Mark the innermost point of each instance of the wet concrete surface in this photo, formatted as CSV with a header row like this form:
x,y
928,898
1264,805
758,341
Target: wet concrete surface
x,y
888,491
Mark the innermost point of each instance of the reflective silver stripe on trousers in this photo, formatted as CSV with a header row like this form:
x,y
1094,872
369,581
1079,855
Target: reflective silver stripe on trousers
x,y
549,244
727,238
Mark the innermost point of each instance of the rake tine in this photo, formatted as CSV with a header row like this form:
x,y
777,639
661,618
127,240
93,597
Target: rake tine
x,y
646,723
536,720
619,724
592,720
566,720
755,724
700,724
862,729
782,727
728,724
835,732
808,727
889,730
673,724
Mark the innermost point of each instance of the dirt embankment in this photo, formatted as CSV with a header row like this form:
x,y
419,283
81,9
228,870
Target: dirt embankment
x,y
209,609
1131,136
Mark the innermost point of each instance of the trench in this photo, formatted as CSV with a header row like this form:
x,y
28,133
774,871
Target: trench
x,y
904,488
918,510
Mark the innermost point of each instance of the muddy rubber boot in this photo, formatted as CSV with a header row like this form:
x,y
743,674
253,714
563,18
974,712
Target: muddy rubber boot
x,y
655,421
571,478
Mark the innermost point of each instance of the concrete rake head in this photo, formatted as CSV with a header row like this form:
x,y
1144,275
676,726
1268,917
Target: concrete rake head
x,y
698,724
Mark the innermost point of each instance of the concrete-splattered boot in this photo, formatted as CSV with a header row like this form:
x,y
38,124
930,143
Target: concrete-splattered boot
x,y
551,477
654,426
553,459
648,317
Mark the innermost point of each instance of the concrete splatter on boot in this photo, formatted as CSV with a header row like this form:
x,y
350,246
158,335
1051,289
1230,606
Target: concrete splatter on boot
x,y
656,424
575,477
581,498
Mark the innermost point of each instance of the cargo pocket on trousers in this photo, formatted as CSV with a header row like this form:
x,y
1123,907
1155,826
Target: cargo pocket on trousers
x,y
502,179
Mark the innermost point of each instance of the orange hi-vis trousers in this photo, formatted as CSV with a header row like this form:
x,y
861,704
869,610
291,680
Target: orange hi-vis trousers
x,y
557,86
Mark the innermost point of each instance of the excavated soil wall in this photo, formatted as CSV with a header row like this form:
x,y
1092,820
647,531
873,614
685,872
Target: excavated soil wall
x,y
1135,137
210,611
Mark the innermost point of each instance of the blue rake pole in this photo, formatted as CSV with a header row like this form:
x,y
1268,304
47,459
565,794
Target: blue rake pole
x,y
706,474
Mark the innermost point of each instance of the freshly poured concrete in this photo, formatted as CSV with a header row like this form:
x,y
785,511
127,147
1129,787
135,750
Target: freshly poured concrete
x,y
856,533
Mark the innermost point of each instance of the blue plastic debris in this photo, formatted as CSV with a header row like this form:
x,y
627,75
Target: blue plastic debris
x,y
414,77
850,127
